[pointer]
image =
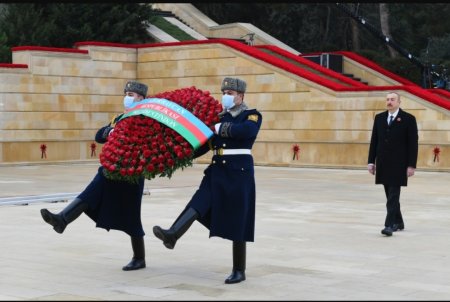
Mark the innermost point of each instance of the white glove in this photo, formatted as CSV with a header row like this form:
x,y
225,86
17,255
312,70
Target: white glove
x,y
217,127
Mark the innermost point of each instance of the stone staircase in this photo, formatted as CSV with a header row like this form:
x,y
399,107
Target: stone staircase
x,y
186,27
169,14
202,24
351,76
333,62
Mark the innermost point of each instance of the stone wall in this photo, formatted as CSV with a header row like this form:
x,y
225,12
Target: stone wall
x,y
62,98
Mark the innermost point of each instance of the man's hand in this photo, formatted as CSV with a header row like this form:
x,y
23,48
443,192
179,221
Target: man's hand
x,y
371,168
410,171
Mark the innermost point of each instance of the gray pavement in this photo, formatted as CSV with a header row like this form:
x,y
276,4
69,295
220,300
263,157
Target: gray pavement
x,y
317,238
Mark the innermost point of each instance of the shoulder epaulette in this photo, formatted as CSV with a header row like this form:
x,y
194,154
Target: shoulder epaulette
x,y
253,117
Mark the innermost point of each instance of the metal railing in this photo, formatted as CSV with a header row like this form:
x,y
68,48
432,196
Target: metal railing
x,y
57,197
25,200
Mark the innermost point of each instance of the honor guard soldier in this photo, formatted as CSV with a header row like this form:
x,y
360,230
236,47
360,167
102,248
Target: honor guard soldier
x,y
111,204
225,200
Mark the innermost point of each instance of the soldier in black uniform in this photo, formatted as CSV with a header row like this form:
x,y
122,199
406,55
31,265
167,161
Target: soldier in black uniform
x,y
225,201
111,204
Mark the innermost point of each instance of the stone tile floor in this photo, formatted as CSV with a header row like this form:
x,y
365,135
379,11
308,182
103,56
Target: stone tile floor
x,y
317,238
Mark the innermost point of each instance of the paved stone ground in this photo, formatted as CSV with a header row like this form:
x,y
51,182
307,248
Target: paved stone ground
x,y
317,238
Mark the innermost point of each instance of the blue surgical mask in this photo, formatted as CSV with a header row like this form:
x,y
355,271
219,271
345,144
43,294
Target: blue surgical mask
x,y
128,101
227,101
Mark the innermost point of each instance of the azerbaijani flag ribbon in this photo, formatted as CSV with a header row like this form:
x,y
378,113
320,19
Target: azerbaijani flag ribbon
x,y
174,116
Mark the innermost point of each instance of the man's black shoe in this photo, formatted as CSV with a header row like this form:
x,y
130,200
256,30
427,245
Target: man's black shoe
x,y
134,264
235,277
398,226
387,231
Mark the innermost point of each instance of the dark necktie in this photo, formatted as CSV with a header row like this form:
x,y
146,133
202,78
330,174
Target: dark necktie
x,y
391,118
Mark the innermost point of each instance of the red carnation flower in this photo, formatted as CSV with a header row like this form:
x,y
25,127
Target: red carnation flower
x,y
140,146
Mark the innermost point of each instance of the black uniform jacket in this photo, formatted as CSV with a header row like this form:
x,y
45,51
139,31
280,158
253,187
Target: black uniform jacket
x,y
225,198
114,204
393,148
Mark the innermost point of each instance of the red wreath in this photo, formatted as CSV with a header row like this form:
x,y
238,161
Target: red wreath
x,y
93,147
436,152
141,146
296,151
43,151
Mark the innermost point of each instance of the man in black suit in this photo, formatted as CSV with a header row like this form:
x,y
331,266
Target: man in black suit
x,y
393,156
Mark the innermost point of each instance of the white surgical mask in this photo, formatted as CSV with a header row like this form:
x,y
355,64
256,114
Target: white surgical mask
x,y
227,101
128,101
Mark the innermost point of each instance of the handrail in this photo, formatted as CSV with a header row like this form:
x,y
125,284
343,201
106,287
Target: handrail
x,y
24,200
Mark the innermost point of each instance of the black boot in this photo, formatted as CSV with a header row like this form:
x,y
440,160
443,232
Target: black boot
x,y
66,216
138,260
179,227
238,273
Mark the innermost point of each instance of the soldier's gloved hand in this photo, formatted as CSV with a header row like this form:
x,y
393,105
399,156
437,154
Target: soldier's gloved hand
x,y
217,127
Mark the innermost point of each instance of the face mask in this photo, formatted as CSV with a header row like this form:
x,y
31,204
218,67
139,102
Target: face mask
x,y
227,101
128,101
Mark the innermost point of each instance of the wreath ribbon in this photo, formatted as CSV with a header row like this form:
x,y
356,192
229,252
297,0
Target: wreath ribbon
x,y
43,151
93,147
296,150
436,152
173,116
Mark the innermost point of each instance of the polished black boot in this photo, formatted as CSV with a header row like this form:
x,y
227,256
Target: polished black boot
x,y
138,260
239,255
66,216
179,227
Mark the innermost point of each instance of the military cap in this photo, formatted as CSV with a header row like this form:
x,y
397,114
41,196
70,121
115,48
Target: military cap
x,y
234,84
137,87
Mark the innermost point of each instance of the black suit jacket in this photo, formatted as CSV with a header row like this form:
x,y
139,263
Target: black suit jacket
x,y
393,148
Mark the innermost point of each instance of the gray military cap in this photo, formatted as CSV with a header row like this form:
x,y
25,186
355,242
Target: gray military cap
x,y
137,87
234,84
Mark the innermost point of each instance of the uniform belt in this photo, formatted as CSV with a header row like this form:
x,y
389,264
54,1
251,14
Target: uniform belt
x,y
221,151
